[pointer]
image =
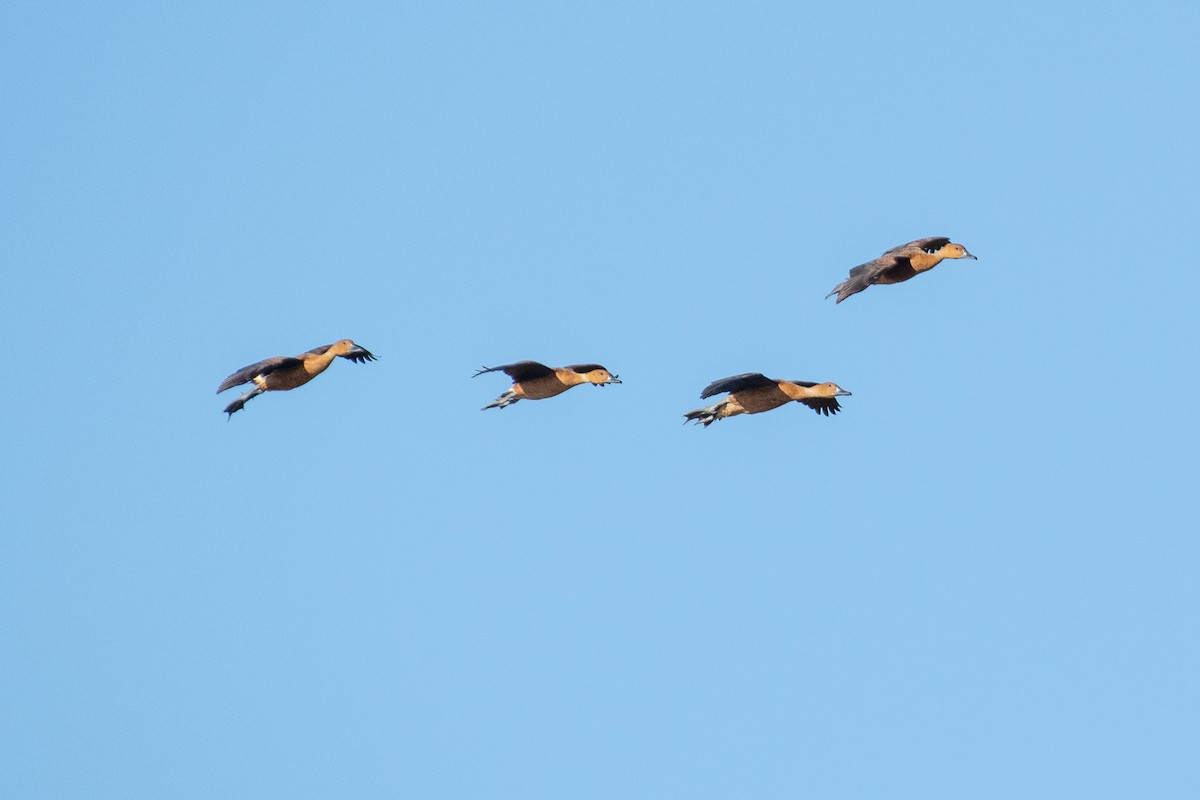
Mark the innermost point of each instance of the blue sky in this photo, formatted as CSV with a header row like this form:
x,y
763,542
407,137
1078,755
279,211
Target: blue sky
x,y
977,581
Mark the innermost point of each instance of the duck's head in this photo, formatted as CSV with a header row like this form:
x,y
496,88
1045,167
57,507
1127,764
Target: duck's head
x,y
955,250
830,390
348,349
596,374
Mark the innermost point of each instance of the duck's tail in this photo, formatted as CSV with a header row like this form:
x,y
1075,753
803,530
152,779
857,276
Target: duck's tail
x,y
240,403
506,399
705,416
854,284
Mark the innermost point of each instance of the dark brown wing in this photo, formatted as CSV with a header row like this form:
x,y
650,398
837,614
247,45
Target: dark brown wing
x,y
929,244
736,384
520,371
582,368
359,355
822,405
866,274
894,261
264,367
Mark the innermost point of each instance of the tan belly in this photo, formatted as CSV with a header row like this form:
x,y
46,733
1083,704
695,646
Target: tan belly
x,y
543,388
896,274
924,261
756,401
287,379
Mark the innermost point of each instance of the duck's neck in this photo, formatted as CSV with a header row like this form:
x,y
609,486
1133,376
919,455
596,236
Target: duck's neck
x,y
570,377
316,364
923,261
797,392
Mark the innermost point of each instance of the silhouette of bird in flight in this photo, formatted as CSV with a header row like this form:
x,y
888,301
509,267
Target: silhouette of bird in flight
x,y
281,373
754,393
534,381
899,264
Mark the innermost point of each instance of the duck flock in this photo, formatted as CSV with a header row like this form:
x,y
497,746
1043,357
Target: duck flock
x,y
750,393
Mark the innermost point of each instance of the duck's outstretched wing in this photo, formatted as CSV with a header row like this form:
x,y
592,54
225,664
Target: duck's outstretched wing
x,y
823,405
866,274
359,355
736,383
264,367
930,244
896,260
518,371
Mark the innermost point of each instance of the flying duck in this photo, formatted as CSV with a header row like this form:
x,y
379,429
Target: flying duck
x,y
753,393
281,373
899,264
534,381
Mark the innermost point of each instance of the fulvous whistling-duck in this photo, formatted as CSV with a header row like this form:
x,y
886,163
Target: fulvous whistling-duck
x,y
534,381
899,264
754,393
281,373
